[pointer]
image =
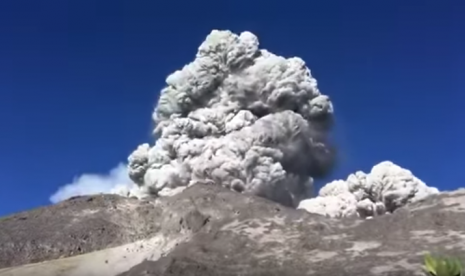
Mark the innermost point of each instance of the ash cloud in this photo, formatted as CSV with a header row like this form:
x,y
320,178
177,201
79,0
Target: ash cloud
x,y
241,117
386,188
254,122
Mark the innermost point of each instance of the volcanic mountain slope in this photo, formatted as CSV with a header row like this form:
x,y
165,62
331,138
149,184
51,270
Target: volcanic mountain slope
x,y
75,226
210,230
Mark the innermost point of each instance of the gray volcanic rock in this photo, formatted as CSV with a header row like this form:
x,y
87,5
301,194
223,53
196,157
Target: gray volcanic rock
x,y
262,238
76,226
215,231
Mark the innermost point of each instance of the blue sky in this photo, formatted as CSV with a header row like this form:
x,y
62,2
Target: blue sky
x,y
79,80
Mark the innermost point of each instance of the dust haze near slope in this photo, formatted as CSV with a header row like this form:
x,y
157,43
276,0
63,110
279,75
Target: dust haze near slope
x,y
386,188
240,117
116,181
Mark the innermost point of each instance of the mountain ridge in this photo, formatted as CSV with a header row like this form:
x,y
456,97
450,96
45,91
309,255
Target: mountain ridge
x,y
210,230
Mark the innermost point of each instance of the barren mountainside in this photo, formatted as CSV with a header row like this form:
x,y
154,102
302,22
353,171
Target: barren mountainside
x,y
221,232
75,226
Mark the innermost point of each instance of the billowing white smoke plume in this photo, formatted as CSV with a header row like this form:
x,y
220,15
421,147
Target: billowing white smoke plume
x,y
115,182
386,188
240,117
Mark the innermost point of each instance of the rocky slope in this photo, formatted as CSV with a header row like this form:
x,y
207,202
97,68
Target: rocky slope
x,y
210,230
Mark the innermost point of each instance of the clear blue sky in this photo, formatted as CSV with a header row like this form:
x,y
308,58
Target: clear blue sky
x,y
79,80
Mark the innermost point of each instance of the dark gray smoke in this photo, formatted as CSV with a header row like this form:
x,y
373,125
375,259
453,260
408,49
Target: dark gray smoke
x,y
240,117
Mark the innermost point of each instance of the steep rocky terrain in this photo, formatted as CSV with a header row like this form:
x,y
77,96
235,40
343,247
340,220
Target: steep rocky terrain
x,y
209,230
76,226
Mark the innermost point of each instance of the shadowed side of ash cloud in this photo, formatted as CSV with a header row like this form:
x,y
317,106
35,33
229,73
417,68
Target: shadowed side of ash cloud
x,y
270,243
